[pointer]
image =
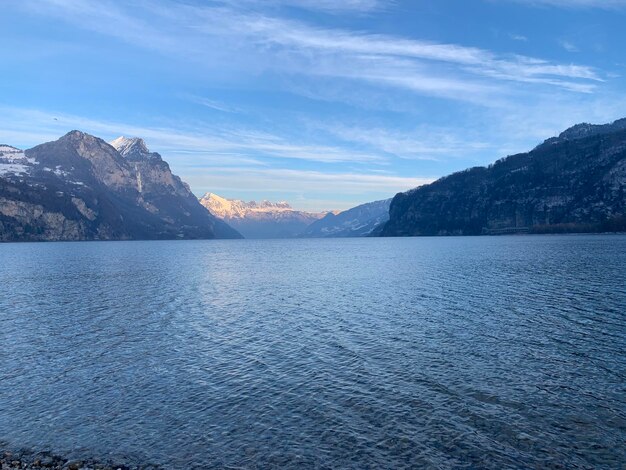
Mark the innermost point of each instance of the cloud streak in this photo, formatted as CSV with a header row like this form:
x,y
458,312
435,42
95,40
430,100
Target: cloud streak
x,y
237,37
30,127
351,187
235,161
318,87
211,104
225,163
570,4
327,6
422,144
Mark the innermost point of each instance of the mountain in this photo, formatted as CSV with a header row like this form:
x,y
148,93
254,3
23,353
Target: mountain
x,y
81,188
359,221
575,182
583,130
259,219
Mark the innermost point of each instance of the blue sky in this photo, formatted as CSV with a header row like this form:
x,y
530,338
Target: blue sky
x,y
323,103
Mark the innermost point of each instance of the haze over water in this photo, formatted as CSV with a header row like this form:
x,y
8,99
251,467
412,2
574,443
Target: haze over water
x,y
486,352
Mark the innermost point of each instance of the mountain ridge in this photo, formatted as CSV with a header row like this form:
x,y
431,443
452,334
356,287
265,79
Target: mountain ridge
x,y
358,221
573,182
585,129
263,219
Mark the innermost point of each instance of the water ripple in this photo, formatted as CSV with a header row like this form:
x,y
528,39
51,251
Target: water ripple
x,y
498,352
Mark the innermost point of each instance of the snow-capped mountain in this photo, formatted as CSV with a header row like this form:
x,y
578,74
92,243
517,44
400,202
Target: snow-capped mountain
x,y
235,208
359,221
81,188
152,172
263,219
134,149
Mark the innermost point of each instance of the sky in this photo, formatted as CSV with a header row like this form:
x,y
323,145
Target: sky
x,y
323,103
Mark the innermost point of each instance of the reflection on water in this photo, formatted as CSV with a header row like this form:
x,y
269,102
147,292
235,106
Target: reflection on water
x,y
362,353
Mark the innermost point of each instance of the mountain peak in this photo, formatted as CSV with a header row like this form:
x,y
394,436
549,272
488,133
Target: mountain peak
x,y
134,148
215,197
126,144
578,131
85,144
585,129
76,135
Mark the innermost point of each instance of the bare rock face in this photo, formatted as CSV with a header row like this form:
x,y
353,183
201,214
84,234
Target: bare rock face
x,y
151,173
81,188
106,164
575,182
49,225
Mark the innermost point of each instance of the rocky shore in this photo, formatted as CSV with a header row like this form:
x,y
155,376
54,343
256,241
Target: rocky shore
x,y
25,459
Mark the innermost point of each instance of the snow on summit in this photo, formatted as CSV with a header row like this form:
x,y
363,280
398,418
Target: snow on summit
x,y
263,219
133,148
235,208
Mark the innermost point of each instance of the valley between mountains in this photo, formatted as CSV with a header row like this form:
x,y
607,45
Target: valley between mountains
x,y
80,187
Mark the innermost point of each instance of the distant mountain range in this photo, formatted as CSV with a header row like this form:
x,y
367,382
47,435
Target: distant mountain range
x,y
82,188
575,182
360,221
263,219
267,219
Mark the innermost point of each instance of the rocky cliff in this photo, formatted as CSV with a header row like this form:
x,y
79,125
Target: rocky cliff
x,y
82,188
575,182
263,219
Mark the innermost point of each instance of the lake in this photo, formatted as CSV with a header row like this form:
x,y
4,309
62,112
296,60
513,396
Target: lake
x,y
488,352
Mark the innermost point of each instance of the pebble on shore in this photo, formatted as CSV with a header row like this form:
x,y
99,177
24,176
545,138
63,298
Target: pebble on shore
x,y
27,460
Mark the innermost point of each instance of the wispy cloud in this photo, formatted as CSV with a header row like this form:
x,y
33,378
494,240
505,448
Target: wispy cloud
x,y
390,110
518,37
254,40
392,49
206,144
208,103
234,161
604,4
329,6
427,143
352,187
568,46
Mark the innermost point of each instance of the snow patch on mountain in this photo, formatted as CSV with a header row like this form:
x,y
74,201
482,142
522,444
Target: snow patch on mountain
x,y
13,161
133,148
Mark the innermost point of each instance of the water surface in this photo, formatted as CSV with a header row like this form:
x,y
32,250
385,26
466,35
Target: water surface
x,y
487,352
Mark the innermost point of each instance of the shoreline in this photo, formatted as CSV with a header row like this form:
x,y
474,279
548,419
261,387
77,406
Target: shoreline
x,y
25,459
286,239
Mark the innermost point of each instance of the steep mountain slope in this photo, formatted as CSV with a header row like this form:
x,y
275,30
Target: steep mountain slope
x,y
162,189
81,188
575,182
259,219
359,221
